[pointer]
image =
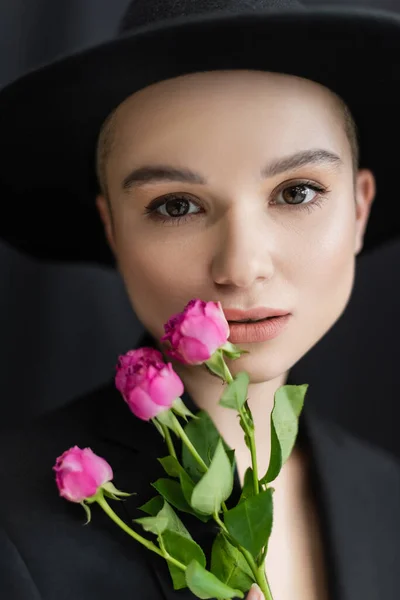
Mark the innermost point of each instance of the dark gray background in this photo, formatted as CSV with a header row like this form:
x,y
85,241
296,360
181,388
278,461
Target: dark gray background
x,y
62,327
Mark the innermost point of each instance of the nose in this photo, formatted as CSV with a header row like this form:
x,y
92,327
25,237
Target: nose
x,y
244,250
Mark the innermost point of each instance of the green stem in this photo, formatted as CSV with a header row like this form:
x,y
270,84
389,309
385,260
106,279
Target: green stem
x,y
232,541
190,447
229,377
263,583
168,439
264,554
220,523
250,434
258,572
136,536
254,461
168,557
194,452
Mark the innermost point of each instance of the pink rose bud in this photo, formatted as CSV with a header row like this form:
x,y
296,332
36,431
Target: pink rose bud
x,y
197,332
80,473
147,384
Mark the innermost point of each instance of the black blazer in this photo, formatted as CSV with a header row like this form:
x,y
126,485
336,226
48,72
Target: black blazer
x,y
47,553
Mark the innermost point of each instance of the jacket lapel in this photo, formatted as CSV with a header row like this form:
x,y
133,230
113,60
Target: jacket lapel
x,y
359,497
357,488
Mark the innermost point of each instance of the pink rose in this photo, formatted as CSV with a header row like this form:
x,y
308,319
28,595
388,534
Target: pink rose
x,y
147,384
80,473
197,332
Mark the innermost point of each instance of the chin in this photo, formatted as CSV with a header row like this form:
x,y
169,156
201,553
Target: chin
x,y
260,369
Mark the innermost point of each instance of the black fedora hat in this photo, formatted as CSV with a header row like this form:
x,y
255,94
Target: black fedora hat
x,y
51,117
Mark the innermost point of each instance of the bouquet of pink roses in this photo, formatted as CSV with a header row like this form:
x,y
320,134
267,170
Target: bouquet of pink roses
x,y
201,472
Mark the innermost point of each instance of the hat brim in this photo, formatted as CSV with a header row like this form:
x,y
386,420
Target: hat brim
x,y
50,118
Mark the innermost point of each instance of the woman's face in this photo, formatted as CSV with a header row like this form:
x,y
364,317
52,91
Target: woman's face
x,y
248,230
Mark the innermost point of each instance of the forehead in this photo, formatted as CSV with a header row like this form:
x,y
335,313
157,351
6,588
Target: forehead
x,y
221,109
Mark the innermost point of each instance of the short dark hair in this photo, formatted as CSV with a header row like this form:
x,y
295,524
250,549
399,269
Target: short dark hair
x,y
105,144
107,136
351,131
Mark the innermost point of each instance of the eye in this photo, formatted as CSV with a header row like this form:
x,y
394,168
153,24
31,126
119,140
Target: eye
x,y
300,193
172,208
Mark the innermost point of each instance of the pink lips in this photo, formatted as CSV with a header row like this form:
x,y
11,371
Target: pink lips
x,y
257,332
236,314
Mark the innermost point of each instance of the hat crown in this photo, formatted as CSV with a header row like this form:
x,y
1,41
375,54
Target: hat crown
x,y
147,12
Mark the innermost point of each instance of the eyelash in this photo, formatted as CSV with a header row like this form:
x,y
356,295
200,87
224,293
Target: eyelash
x,y
150,209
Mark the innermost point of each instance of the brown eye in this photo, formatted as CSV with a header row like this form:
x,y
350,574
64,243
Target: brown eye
x,y
173,208
299,194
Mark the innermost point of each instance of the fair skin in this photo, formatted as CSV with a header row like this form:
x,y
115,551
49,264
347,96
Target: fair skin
x,y
243,243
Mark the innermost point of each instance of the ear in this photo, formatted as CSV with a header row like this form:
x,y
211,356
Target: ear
x,y
364,196
105,215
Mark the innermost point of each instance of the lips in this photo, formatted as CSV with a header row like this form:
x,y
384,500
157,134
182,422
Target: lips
x,y
262,331
236,315
251,320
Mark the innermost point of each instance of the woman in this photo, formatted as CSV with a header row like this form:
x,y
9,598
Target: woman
x,y
243,138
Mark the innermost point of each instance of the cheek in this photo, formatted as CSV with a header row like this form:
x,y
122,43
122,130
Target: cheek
x,y
155,282
328,273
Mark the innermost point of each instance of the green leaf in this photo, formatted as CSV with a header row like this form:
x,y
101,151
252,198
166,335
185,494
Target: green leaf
x,y
170,465
167,418
249,416
204,584
153,506
155,525
288,404
246,436
229,565
187,485
158,427
215,486
248,486
185,550
217,366
235,393
111,491
174,522
232,351
176,538
172,492
180,409
174,469
158,506
250,523
87,511
246,419
232,459
205,437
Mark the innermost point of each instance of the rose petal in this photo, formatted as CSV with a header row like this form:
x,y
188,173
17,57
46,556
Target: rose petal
x,y
96,467
205,331
142,406
193,351
215,312
195,308
78,486
164,389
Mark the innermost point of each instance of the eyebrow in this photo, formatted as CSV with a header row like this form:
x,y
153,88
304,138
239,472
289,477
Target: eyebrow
x,y
151,174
